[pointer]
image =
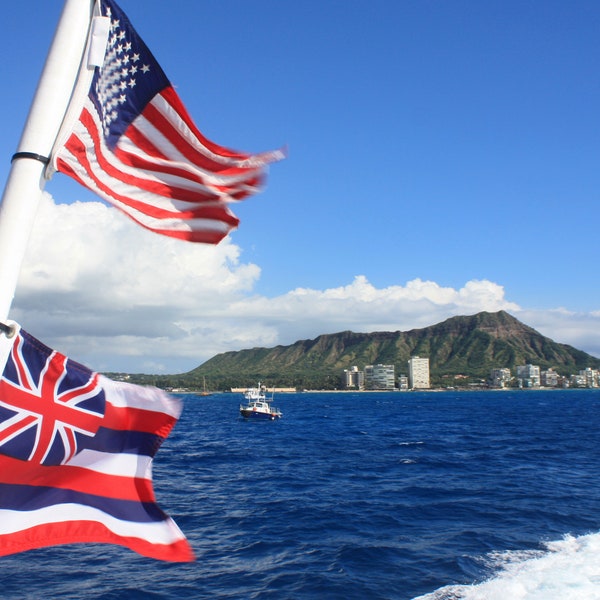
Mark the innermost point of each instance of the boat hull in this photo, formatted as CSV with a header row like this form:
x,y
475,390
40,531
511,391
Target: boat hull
x,y
256,415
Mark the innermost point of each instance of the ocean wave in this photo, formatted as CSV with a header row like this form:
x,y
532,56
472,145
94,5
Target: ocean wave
x,y
567,569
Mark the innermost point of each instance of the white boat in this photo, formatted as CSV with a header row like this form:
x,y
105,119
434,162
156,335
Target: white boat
x,y
257,406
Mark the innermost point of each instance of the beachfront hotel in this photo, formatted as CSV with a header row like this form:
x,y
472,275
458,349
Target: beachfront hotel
x,y
380,377
418,373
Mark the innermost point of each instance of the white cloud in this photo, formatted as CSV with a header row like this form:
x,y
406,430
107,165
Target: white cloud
x,y
578,329
115,297
101,288
305,313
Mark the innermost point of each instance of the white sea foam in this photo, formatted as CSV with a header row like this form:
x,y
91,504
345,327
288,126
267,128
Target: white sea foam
x,y
568,569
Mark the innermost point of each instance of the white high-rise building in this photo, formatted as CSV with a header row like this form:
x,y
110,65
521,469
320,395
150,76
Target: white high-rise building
x,y
529,375
418,373
591,377
500,378
549,378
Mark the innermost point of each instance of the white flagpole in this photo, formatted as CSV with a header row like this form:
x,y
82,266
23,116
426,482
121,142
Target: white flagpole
x,y
26,181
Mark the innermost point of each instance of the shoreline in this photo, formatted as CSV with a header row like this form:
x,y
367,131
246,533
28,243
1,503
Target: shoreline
x,y
421,390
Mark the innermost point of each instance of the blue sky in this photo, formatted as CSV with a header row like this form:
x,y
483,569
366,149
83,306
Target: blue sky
x,y
443,159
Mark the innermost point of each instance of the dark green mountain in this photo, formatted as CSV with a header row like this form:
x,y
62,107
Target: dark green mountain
x,y
469,345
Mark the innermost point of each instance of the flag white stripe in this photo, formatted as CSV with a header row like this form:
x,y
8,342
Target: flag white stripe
x,y
121,191
175,223
179,125
163,532
176,160
181,128
128,395
121,465
128,146
174,157
119,185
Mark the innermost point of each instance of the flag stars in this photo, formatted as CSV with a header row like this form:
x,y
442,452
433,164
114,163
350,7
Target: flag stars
x,y
119,75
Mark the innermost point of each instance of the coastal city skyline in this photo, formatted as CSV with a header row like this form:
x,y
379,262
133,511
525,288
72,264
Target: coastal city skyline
x,y
441,162
417,377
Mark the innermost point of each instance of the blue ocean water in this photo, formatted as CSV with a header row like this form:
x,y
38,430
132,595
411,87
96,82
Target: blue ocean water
x,y
474,495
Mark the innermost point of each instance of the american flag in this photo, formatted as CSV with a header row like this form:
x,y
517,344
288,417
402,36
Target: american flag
x,y
134,144
76,451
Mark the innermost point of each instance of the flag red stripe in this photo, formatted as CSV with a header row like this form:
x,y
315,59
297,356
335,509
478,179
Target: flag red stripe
x,y
194,235
208,212
201,209
23,373
204,234
79,479
193,154
203,184
71,441
216,190
21,424
78,392
223,219
72,532
174,100
136,419
107,187
81,152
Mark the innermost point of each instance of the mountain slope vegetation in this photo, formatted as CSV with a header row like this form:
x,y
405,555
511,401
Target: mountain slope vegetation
x,y
469,346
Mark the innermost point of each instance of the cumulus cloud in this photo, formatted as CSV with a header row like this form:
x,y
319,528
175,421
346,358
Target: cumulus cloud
x,y
304,313
111,291
119,298
578,329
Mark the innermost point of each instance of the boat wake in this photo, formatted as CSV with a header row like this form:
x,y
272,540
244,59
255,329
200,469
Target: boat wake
x,y
566,569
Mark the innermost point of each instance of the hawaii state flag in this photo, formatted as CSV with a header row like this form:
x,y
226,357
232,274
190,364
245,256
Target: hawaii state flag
x,y
76,452
128,138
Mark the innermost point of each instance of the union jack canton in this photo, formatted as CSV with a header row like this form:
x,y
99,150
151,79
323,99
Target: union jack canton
x,y
49,405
